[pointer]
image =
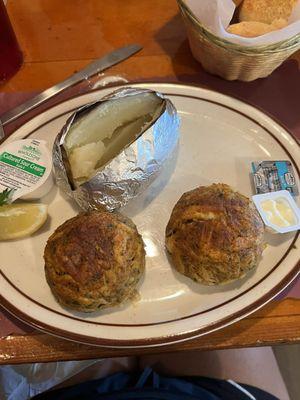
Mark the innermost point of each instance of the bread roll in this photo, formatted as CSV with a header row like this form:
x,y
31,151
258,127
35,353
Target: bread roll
x,y
253,29
266,11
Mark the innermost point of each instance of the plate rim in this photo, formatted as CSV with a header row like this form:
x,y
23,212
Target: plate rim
x,y
158,341
167,339
170,83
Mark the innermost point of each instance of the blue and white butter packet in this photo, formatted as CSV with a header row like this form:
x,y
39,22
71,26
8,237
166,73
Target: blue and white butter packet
x,y
271,176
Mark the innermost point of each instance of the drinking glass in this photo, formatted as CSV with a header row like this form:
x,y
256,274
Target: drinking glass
x,y
11,57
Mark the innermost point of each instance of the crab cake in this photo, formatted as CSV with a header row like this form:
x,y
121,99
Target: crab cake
x,y
94,260
214,235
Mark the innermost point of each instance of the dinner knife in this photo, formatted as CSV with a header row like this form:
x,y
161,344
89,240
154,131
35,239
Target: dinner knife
x,y
95,67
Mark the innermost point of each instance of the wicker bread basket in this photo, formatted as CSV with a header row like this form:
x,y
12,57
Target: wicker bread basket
x,y
232,61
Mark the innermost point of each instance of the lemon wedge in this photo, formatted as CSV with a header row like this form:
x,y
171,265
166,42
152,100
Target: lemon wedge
x,y
19,220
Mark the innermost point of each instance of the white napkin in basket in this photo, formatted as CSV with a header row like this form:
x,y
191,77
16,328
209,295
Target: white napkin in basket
x,y
216,15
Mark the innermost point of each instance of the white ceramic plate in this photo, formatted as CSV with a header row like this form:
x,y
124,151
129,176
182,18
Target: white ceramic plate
x,y
220,136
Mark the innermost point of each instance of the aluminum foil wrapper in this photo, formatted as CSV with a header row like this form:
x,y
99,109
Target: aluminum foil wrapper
x,y
130,172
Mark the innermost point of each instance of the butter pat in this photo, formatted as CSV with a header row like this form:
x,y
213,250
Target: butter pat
x,y
278,210
26,167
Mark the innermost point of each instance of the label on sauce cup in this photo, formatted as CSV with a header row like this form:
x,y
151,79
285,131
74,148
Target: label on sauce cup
x,y
278,210
26,167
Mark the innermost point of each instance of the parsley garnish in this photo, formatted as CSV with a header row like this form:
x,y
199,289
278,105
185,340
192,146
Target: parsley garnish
x,y
5,196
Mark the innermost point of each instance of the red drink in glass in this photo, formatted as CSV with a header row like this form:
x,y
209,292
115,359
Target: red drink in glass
x,y
10,54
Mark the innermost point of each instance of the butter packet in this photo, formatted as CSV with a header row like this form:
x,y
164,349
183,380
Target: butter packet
x,y
271,176
278,210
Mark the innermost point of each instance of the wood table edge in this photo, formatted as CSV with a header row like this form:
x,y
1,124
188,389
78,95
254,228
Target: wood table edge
x,y
269,326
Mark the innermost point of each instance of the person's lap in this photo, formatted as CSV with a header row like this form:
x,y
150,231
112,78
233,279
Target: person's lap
x,y
257,367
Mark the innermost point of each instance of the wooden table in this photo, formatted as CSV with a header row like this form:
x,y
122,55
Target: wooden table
x,y
60,37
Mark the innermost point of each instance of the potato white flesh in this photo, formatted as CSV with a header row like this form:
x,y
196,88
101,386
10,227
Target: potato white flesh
x,y
83,160
121,137
102,121
106,130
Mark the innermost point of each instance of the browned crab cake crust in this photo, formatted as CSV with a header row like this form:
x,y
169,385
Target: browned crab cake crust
x,y
94,260
214,235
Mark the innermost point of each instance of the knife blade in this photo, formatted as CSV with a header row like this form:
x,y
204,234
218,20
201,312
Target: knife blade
x,y
95,67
